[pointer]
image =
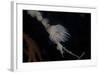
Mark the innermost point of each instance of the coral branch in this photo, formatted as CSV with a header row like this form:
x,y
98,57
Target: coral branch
x,y
79,57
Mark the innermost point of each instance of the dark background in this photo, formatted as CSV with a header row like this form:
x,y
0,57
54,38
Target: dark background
x,y
78,26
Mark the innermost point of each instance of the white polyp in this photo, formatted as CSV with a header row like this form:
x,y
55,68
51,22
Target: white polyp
x,y
36,14
32,13
57,33
45,23
39,16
